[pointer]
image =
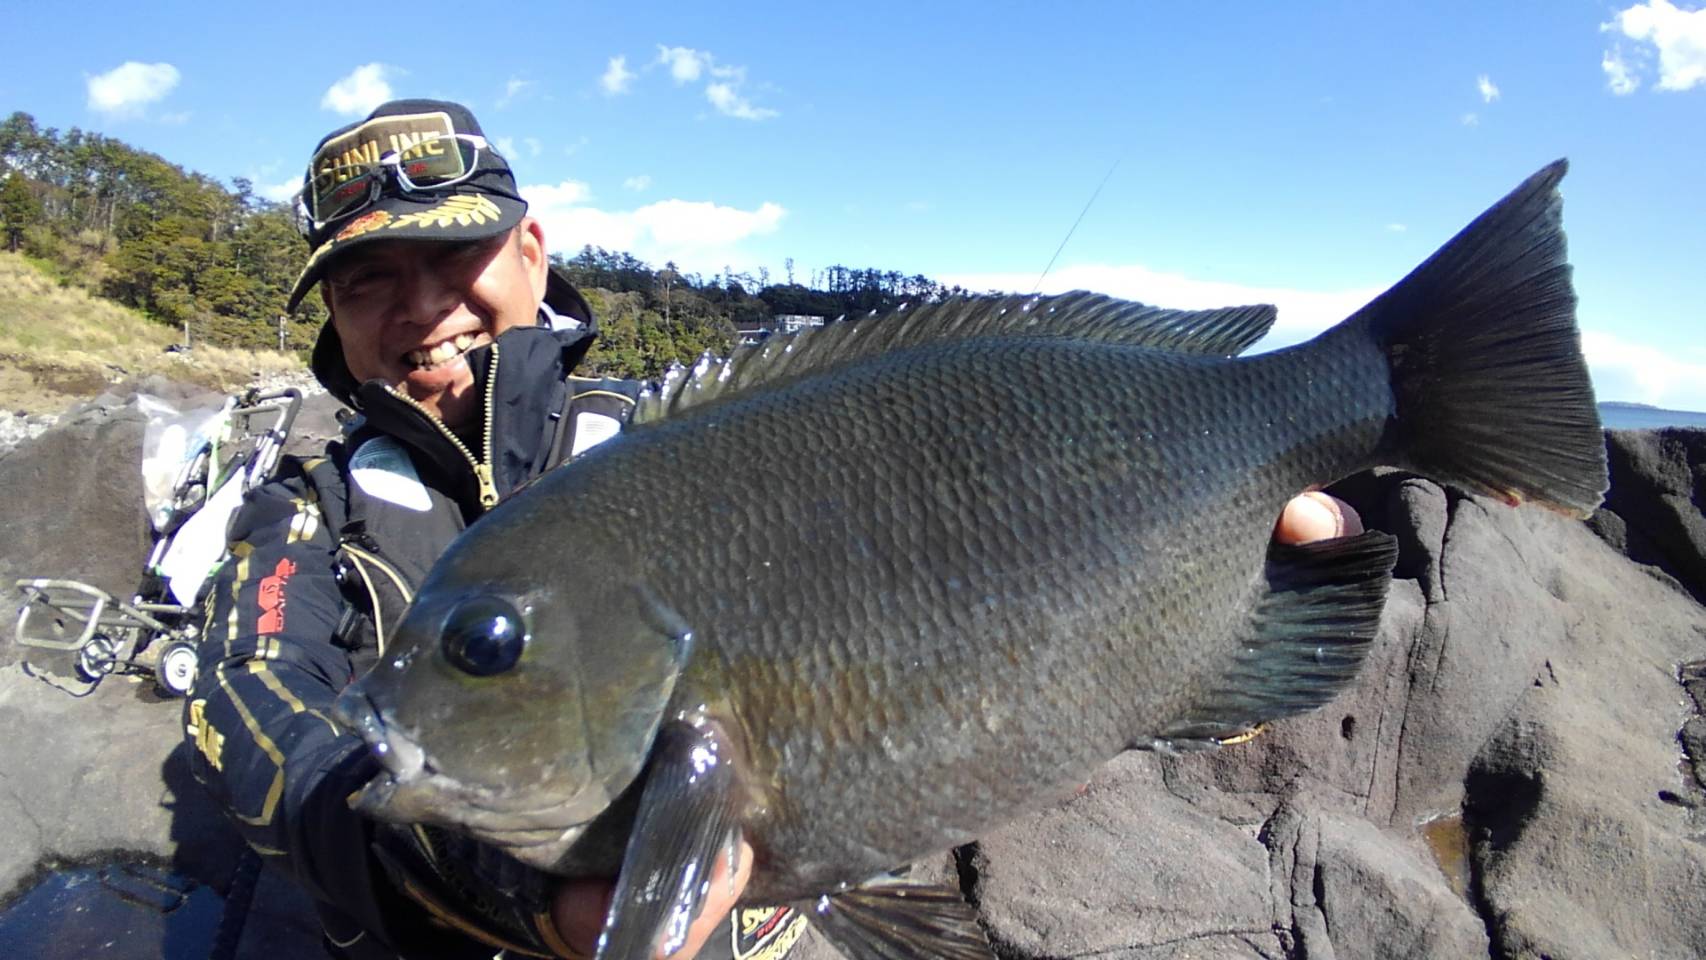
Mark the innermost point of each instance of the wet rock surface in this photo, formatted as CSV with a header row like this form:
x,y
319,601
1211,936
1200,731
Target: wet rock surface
x,y
93,779
1518,771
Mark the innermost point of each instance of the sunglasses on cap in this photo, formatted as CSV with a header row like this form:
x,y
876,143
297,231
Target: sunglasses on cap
x,y
339,188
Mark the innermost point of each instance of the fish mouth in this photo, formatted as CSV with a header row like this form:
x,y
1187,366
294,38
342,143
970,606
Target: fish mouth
x,y
411,788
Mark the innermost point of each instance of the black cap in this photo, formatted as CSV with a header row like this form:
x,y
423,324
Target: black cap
x,y
483,205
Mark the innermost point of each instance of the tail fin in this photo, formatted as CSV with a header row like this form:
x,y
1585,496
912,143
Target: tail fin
x,y
1487,371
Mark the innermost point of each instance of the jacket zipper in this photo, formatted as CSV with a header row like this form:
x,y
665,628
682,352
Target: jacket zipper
x,y
482,468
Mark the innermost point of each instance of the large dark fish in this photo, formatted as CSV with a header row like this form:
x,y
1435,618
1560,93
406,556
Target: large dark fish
x,y
865,595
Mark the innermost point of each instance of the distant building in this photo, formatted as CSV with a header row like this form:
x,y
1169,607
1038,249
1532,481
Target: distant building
x,y
783,323
795,322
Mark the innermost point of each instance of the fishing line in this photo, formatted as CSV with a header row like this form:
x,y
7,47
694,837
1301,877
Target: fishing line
x,y
1075,223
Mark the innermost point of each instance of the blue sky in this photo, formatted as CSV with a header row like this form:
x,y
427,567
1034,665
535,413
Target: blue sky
x,y
1307,155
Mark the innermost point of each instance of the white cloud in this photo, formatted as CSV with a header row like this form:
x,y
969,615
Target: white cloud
x,y
278,192
1639,373
127,88
700,224
1678,35
1471,120
697,235
546,196
1617,73
514,88
1489,90
534,147
366,87
685,64
262,183
730,103
1396,227
617,78
723,91
640,182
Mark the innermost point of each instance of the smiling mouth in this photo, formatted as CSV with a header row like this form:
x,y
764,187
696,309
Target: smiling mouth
x,y
433,357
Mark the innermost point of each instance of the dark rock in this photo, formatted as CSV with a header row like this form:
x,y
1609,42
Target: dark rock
x,y
1126,869
1576,852
1655,512
316,423
90,775
1418,518
100,778
1354,890
1507,609
76,503
1517,772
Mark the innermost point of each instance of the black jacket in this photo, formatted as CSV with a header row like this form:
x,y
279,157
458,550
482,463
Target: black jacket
x,y
323,558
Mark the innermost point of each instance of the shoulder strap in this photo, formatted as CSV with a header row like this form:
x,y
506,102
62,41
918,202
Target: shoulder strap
x,y
563,435
391,529
609,400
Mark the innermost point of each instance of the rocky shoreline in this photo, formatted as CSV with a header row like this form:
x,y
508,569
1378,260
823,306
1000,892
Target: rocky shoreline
x,y
1520,771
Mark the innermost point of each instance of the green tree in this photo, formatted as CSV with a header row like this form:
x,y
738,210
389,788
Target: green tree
x,y
19,209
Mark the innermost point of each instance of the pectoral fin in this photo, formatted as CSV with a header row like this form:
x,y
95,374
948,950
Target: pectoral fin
x,y
687,817
895,919
1308,636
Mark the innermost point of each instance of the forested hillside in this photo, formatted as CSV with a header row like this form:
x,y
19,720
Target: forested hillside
x,y
216,262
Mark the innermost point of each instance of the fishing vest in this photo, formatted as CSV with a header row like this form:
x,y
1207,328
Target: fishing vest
x,y
396,524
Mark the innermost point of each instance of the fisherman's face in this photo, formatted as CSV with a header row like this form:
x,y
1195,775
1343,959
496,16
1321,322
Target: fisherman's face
x,y
408,311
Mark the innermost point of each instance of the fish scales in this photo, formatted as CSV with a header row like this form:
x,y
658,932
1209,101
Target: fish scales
x,y
858,598
1079,543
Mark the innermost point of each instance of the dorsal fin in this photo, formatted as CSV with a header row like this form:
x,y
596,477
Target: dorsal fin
x,y
1078,315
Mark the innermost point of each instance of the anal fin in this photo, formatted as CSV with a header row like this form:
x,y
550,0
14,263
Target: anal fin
x,y
1309,634
891,918
687,818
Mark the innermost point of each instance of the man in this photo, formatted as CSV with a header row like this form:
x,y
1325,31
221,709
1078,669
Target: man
x,y
454,341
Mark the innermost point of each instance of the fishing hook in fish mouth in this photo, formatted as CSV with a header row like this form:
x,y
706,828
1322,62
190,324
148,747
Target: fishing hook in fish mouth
x,y
402,757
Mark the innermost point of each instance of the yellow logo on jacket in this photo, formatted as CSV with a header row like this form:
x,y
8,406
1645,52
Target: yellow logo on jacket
x,y
209,741
766,933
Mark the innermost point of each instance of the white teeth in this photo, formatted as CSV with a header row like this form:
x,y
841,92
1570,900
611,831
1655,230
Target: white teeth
x,y
430,357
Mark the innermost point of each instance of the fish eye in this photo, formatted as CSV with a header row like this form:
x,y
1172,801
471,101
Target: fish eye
x,y
484,636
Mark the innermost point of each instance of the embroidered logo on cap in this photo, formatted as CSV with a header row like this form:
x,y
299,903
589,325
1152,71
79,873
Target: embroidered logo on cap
x,y
363,224
413,137
461,210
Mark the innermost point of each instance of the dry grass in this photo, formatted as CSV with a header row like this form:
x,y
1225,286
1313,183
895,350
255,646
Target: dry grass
x,y
59,345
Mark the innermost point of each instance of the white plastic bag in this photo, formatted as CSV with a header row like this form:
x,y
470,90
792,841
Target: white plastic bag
x,y
172,444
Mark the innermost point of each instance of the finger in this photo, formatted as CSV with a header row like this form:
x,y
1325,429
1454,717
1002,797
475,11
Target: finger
x,y
720,900
578,910
1316,516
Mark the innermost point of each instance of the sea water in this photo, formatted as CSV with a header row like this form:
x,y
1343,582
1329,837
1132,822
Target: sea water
x,y
1629,416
